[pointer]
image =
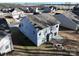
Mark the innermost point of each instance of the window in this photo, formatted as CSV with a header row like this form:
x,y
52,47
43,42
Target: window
x,y
56,26
45,32
33,32
43,40
51,28
20,25
39,34
55,33
35,24
7,47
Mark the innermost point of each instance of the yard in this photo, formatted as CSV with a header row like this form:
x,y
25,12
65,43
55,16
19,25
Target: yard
x,y
24,47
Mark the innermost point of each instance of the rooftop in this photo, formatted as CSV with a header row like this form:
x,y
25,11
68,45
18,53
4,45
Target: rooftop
x,y
42,20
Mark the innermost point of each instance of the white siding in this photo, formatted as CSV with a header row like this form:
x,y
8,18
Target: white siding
x,y
6,45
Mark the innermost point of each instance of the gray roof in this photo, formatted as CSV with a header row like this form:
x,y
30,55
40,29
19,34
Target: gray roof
x,y
50,18
70,15
43,20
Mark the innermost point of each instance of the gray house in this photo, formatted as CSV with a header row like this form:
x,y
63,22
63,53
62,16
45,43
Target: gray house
x,y
68,20
38,31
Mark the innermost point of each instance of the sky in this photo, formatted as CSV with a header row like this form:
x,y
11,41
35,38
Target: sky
x,y
35,1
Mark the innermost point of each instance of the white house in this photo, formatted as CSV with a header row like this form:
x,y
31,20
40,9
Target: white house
x,y
6,44
11,22
35,34
17,14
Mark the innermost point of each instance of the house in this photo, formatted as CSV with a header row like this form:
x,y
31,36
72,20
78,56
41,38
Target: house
x,y
38,31
11,22
7,10
76,9
2,14
17,14
46,9
6,44
68,20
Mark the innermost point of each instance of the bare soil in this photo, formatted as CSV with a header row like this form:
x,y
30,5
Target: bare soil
x,y
24,47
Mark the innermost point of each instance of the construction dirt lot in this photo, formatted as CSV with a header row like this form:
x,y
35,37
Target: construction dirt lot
x,y
24,47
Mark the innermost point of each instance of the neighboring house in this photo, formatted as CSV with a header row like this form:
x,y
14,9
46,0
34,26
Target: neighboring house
x,y
17,14
36,34
7,10
76,9
52,8
36,10
11,22
27,9
2,14
47,9
6,44
68,20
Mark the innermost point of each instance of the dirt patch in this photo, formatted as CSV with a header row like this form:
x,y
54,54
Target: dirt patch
x,y
24,47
